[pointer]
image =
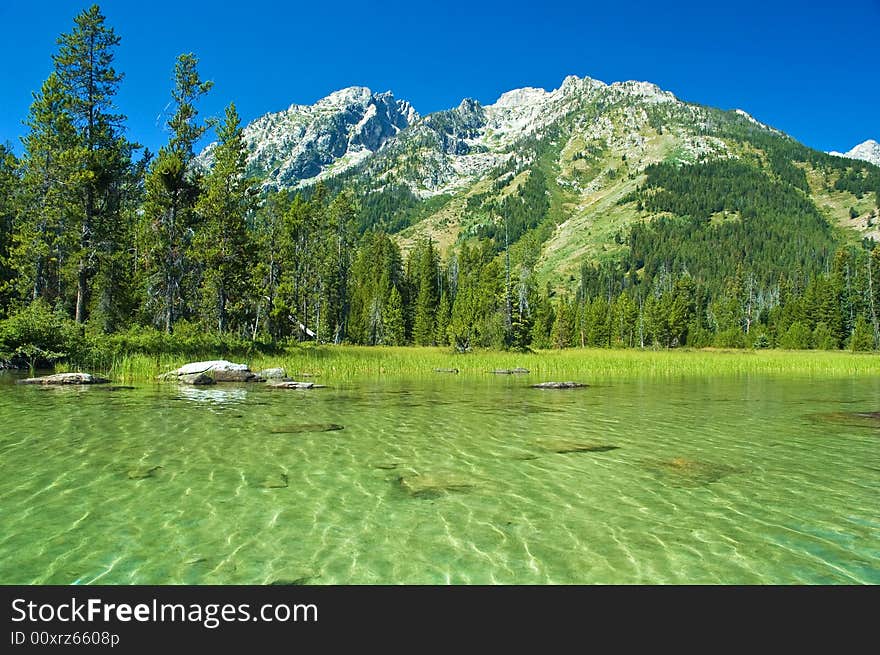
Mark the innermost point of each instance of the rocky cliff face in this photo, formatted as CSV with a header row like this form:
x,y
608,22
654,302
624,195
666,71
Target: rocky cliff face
x,y
309,142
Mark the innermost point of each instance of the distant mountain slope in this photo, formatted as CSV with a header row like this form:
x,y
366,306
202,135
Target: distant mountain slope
x,y
868,151
570,177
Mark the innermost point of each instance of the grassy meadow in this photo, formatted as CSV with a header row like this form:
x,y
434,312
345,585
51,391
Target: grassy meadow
x,y
350,362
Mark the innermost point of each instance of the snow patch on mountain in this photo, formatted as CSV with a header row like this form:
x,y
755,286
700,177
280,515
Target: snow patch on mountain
x,y
868,151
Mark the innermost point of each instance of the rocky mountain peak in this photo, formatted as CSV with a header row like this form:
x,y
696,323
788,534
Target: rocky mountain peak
x,y
307,142
867,151
344,97
528,95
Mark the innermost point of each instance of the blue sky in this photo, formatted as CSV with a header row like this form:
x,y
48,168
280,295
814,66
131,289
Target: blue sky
x,y
811,69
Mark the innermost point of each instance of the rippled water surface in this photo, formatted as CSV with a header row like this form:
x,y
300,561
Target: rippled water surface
x,y
443,480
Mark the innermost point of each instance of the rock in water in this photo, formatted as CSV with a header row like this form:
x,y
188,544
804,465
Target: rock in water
x,y
273,481
197,379
273,374
690,473
293,384
220,370
432,485
143,474
307,427
560,385
66,378
572,446
293,582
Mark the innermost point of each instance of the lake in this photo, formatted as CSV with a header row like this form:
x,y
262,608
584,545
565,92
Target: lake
x,y
443,479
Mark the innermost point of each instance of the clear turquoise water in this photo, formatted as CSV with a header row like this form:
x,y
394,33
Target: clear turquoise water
x,y
442,480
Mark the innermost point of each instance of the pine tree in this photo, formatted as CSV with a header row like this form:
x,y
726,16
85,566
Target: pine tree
x,y
392,320
84,69
425,265
9,197
172,190
376,270
627,312
341,239
862,337
543,319
222,244
561,334
271,242
444,315
44,235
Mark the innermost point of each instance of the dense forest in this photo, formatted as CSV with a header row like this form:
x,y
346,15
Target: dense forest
x,y
107,247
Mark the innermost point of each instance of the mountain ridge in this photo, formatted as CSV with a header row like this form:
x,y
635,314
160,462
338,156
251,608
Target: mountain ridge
x,y
868,151
585,147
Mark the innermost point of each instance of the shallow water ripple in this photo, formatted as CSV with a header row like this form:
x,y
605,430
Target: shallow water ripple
x,y
749,480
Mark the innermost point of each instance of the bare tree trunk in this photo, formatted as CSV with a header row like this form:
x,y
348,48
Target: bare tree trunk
x,y
81,293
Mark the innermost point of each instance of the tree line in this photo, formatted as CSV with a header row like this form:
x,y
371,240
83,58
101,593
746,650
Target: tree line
x,y
98,236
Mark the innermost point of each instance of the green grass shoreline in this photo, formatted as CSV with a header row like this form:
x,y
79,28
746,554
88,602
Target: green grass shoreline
x,y
350,362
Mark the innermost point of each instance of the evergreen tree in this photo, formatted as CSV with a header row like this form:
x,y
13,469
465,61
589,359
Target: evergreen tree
x,y
44,234
544,318
172,190
424,280
376,270
798,336
9,197
444,315
84,69
563,326
392,320
223,244
862,337
627,313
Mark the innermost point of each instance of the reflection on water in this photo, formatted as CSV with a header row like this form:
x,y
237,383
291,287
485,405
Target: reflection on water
x,y
443,480
216,395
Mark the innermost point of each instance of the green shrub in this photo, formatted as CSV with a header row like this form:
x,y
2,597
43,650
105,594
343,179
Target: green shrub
x,y
863,335
797,337
823,339
730,338
37,336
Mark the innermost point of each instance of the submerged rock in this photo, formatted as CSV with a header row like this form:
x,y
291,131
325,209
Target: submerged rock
x,y
293,384
144,473
572,446
293,582
559,385
197,379
65,378
307,427
386,466
861,417
273,374
432,485
273,481
220,370
116,387
689,472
